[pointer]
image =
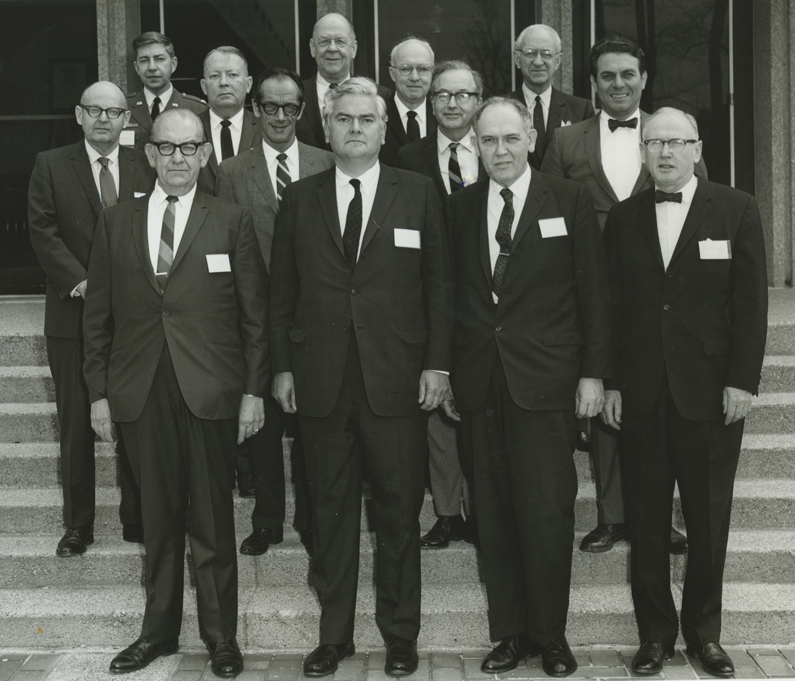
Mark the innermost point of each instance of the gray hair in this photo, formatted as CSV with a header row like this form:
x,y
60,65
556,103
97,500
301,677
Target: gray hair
x,y
521,36
186,116
521,109
672,109
403,42
360,86
457,65
225,49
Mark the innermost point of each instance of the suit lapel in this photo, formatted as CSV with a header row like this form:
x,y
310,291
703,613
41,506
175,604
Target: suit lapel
x,y
558,112
82,167
648,220
140,112
593,150
644,171
327,195
695,216
384,196
430,119
483,232
212,163
198,213
394,121
248,130
141,238
312,111
429,144
262,178
536,197
126,174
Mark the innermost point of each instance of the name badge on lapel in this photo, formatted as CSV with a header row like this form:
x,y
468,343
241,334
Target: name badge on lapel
x,y
218,262
407,238
127,138
552,227
715,250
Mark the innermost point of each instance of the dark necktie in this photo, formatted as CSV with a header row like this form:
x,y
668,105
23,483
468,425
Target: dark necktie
x,y
107,187
614,125
504,240
453,169
165,255
661,196
155,108
538,124
282,175
353,225
412,126
227,150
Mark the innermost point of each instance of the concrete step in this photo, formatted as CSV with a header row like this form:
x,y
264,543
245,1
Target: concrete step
x,y
778,374
26,384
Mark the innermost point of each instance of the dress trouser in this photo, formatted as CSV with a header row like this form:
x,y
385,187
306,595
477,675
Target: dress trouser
x,y
393,449
78,473
606,467
447,479
701,456
525,485
182,463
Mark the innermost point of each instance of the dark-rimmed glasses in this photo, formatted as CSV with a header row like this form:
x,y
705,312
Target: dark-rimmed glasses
x,y
168,148
271,108
96,111
443,96
674,144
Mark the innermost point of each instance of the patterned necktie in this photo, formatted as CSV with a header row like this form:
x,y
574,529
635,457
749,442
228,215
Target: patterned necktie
x,y
353,225
227,150
538,124
282,175
504,240
107,187
661,196
454,170
614,125
165,256
412,126
155,108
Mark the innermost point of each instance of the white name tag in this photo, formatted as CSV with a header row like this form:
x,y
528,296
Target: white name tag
x,y
552,227
407,238
218,262
127,138
138,195
715,250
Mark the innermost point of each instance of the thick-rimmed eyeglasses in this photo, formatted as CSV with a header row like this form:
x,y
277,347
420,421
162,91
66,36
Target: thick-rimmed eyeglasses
x,y
673,145
423,70
96,111
443,96
546,55
168,148
271,108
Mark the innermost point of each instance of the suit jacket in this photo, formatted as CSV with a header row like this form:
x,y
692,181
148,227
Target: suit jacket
x,y
563,108
395,132
703,322
576,154
250,137
215,324
551,326
423,157
245,180
141,120
63,209
399,299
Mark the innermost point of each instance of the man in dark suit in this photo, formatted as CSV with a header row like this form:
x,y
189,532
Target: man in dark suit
x,y
256,180
409,110
230,129
531,348
68,190
361,319
687,271
538,52
177,354
154,61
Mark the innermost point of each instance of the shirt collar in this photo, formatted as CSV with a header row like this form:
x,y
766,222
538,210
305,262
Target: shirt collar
x,y
271,153
520,186
530,96
403,109
688,191
325,84
236,120
93,154
467,141
369,179
159,196
604,117
164,98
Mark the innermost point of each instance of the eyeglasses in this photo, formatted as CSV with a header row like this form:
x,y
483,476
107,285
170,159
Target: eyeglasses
x,y
673,145
96,111
423,70
168,148
271,108
443,96
531,54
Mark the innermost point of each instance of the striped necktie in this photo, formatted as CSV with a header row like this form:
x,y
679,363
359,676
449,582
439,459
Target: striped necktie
x,y
282,176
165,256
504,239
107,187
453,169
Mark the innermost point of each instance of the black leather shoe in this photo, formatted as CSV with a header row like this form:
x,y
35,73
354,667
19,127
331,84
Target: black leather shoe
x,y
259,540
447,528
140,654
650,656
132,533
713,658
507,655
678,543
401,657
324,659
602,538
245,485
226,660
74,542
558,660
583,441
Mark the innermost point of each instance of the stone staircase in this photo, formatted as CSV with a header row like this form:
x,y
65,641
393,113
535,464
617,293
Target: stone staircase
x,y
97,600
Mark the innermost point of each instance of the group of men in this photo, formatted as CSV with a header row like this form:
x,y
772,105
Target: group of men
x,y
422,276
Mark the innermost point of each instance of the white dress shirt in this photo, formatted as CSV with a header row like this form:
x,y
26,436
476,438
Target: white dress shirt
x,y
154,225
671,218
496,203
345,193
620,155
322,88
467,158
530,101
150,97
273,163
236,130
421,112
96,166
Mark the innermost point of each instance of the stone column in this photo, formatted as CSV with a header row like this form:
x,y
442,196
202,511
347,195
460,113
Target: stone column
x,y
118,24
557,14
344,7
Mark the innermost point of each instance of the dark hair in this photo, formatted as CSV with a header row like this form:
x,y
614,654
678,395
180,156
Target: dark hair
x,y
278,73
614,43
152,38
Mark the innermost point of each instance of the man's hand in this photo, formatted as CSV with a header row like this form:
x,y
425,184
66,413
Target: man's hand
x,y
448,406
283,391
590,397
736,403
434,389
611,411
80,289
251,418
100,419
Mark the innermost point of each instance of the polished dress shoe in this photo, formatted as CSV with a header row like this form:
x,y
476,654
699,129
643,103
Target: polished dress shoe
x,y
507,655
650,656
401,657
74,542
132,533
245,485
557,659
447,528
678,545
140,654
713,658
583,441
226,660
259,540
602,538
324,659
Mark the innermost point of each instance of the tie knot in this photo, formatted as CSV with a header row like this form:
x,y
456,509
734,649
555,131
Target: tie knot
x,y
103,161
614,125
226,123
332,86
453,146
156,100
356,184
281,158
411,114
172,199
507,195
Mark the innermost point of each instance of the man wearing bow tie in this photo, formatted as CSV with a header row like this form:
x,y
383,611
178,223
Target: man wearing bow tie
x,y
689,283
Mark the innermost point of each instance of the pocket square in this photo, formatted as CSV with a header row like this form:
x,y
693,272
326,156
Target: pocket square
x,y
563,124
138,195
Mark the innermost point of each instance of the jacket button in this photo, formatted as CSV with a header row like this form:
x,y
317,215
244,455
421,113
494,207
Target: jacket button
x,y
666,307
498,329
165,313
353,291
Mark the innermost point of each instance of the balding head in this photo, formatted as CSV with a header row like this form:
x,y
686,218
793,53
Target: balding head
x,y
671,168
108,102
105,90
537,54
411,69
183,119
664,114
333,46
178,150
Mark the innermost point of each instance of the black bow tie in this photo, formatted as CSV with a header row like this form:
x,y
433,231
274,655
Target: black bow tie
x,y
613,124
661,196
